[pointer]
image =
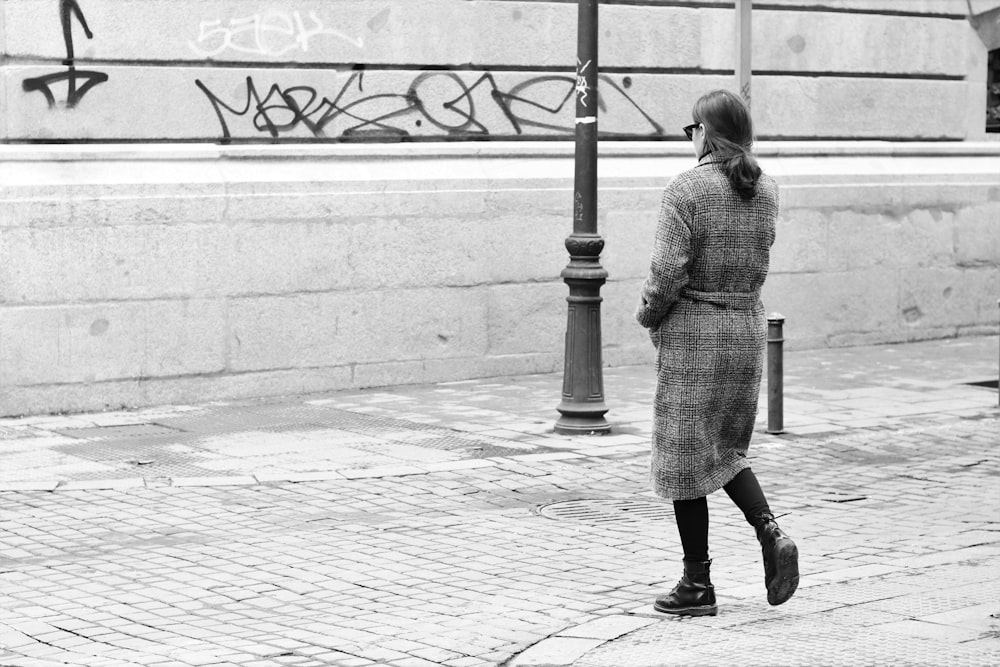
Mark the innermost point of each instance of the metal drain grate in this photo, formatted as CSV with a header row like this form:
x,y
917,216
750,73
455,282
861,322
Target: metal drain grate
x,y
606,510
118,431
146,458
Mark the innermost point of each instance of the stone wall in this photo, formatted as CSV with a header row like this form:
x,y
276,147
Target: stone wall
x,y
313,70
409,226
156,274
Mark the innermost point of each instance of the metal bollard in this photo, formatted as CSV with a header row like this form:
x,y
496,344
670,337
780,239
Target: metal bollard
x,y
998,371
775,374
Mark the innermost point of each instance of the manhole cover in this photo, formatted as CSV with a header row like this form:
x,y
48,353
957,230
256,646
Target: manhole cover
x,y
606,510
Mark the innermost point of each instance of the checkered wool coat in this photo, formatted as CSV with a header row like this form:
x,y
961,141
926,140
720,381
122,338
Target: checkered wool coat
x,y
701,303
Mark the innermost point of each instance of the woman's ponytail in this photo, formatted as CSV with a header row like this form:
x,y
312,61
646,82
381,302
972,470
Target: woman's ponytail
x,y
743,171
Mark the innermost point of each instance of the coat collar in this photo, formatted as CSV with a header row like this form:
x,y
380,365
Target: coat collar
x,y
708,158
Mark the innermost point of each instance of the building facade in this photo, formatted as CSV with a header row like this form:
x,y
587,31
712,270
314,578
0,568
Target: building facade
x,y
225,198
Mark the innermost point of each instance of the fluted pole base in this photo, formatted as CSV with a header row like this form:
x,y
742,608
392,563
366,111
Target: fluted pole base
x,y
582,408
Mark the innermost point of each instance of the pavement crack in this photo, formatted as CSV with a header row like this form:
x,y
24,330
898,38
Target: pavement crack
x,y
921,479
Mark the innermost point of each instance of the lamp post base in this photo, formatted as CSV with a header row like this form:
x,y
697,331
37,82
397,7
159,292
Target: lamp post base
x,y
591,423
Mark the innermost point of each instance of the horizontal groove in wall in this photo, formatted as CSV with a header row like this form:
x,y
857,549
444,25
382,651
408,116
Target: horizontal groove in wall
x,y
858,75
470,67
568,137
200,151
694,4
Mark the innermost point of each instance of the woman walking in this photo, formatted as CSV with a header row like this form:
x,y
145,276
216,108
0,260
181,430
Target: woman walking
x,y
701,304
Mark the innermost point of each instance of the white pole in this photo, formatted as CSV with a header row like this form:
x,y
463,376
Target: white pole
x,y
743,44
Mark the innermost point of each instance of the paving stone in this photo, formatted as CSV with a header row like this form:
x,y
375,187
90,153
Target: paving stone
x,y
315,567
610,627
555,651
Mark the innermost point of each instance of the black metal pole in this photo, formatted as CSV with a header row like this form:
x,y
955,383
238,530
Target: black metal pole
x,y
775,374
582,408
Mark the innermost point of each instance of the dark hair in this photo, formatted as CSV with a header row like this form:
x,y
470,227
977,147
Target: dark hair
x,y
729,135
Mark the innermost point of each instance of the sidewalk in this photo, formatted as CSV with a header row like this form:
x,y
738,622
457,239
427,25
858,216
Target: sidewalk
x,y
448,525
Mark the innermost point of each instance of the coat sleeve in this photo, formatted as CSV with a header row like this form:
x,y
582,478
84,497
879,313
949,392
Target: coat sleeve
x,y
668,272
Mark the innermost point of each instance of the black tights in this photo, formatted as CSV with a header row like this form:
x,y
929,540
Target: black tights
x,y
692,515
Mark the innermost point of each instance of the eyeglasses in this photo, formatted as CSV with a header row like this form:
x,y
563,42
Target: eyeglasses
x,y
689,130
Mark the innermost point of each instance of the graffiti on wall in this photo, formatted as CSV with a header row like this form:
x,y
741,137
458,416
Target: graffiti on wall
x,y
78,82
471,104
343,101
271,34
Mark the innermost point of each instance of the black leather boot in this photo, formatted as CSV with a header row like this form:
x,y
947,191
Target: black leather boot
x,y
694,594
781,559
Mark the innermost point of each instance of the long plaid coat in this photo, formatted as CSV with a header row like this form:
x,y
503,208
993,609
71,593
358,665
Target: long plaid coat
x,y
701,303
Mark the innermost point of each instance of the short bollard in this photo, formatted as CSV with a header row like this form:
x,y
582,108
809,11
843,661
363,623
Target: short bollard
x,y
775,372
998,371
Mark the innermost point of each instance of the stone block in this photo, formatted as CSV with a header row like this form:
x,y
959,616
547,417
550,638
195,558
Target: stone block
x,y
525,249
923,238
60,264
334,329
496,365
801,242
527,318
852,186
285,257
114,340
532,319
816,306
935,298
818,41
436,251
404,252
890,238
858,107
390,373
628,239
977,235
860,240
619,327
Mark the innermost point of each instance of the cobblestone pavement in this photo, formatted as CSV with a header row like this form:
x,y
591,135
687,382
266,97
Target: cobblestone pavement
x,y
447,525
